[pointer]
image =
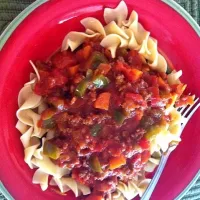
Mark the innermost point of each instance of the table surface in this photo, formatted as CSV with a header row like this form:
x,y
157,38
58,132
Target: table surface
x,y
9,9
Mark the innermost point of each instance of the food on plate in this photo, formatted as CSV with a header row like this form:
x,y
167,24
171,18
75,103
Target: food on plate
x,y
97,116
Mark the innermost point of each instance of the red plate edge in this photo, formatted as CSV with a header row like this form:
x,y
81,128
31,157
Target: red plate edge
x,y
9,44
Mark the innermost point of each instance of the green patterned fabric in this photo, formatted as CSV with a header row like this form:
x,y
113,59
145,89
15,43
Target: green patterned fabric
x,y
9,9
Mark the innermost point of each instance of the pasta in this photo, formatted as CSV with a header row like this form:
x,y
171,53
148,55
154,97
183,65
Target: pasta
x,y
118,14
173,77
112,28
112,42
66,184
41,178
38,152
119,32
40,115
93,25
152,164
75,39
46,165
132,189
162,136
129,191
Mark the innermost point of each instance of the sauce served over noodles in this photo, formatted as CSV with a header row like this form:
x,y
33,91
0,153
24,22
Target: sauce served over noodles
x,y
98,115
102,110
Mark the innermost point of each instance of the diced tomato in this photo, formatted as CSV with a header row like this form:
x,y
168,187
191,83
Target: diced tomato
x,y
131,74
134,97
136,161
152,80
157,102
134,75
120,66
122,52
42,65
145,68
115,149
39,89
63,59
76,176
43,74
42,87
134,58
144,143
154,91
73,70
117,162
60,77
84,54
103,101
145,156
50,80
139,115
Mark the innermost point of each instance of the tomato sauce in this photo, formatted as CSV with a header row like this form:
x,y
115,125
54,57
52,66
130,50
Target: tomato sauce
x,y
100,109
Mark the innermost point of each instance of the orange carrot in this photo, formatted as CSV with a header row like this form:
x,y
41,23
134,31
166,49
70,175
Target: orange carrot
x,y
117,162
87,51
73,70
103,101
134,74
163,84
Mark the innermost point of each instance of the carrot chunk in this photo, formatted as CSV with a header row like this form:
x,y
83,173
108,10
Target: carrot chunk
x,y
117,162
103,101
73,70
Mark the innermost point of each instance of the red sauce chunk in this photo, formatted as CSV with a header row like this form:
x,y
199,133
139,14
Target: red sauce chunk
x,y
100,109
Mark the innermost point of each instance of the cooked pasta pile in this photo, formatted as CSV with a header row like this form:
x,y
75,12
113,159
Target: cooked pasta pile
x,y
120,31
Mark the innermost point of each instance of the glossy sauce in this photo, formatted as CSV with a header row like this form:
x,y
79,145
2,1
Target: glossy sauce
x,y
101,109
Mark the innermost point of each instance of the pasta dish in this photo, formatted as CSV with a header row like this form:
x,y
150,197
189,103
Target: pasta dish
x,y
96,116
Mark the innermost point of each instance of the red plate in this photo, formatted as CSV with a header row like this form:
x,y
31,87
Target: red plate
x,y
42,32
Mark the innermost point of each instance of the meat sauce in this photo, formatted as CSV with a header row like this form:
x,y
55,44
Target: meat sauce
x,y
100,109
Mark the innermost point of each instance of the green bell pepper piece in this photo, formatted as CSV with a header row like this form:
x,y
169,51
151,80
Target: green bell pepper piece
x,y
96,59
51,150
101,81
89,74
81,88
95,130
48,123
119,117
95,164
